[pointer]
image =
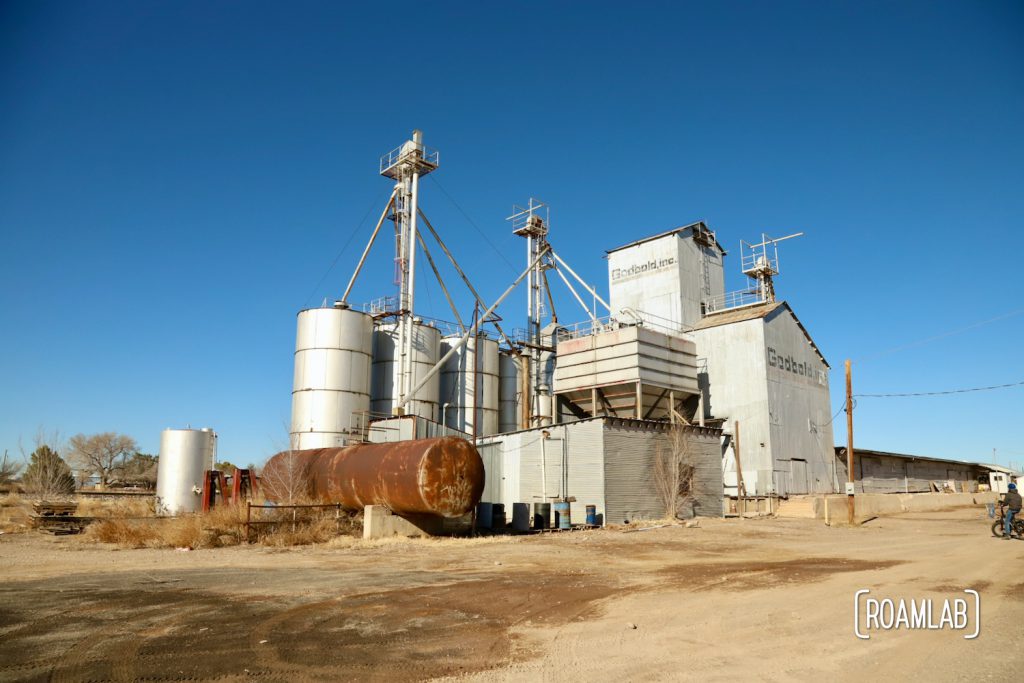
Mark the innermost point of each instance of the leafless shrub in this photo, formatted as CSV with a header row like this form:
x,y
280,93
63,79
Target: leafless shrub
x,y
674,470
286,478
9,470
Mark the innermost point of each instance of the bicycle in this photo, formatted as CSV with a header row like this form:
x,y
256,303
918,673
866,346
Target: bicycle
x,y
999,525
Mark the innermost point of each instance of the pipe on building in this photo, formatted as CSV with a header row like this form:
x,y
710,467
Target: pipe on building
x,y
442,476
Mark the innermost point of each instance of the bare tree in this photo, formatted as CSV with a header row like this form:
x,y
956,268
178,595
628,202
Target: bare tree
x,y
674,470
102,454
9,469
286,477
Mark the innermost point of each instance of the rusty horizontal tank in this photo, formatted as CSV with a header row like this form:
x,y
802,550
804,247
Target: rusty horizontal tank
x,y
443,476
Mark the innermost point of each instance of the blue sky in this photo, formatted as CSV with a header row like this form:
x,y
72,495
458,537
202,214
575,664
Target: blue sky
x,y
176,178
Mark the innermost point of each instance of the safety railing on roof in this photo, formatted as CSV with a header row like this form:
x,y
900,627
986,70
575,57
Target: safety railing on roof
x,y
743,297
627,317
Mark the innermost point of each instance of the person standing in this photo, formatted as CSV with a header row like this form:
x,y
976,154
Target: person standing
x,y
1012,501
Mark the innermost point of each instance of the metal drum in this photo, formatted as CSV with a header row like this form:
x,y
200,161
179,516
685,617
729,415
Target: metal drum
x,y
498,520
469,386
591,515
185,454
331,387
484,515
520,517
542,515
562,519
385,380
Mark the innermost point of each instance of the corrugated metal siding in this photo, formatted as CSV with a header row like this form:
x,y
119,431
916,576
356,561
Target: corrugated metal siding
x,y
707,481
515,461
630,492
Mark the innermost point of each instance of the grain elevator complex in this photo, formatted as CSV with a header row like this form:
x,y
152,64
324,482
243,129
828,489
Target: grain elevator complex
x,y
579,413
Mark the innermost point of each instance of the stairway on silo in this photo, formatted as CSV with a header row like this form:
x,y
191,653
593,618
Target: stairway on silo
x,y
797,507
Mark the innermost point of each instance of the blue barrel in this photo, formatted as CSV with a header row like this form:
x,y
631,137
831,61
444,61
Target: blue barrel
x,y
542,516
592,515
562,516
484,515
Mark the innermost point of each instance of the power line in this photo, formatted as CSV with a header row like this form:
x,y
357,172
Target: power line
x,y
348,242
944,393
950,333
475,226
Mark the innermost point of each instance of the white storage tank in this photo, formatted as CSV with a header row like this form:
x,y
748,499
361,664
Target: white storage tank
x,y
185,454
468,405
426,348
509,405
331,391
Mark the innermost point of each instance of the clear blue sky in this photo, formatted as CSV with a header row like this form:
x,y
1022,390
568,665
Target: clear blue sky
x,y
177,177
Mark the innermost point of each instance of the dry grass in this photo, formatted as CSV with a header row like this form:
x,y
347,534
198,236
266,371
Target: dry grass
x,y
120,508
15,513
218,528
313,526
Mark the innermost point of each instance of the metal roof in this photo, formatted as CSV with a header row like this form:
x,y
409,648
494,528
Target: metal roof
x,y
673,231
738,315
744,313
841,450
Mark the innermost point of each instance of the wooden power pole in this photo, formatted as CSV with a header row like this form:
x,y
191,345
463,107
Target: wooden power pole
x,y
741,489
849,444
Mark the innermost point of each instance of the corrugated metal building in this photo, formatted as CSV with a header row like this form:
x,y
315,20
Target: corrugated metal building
x,y
763,369
884,472
610,464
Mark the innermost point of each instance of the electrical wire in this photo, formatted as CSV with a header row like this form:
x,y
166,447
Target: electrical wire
x,y
922,342
944,393
841,409
348,243
475,226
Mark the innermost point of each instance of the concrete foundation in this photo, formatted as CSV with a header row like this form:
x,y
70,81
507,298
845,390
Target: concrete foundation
x,y
380,522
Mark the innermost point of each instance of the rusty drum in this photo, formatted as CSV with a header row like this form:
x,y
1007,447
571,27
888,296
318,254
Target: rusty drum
x,y
443,476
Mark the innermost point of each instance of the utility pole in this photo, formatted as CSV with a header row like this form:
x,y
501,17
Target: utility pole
x,y
849,444
741,489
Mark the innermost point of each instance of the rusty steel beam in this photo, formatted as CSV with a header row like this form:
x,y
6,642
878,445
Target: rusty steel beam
x,y
442,476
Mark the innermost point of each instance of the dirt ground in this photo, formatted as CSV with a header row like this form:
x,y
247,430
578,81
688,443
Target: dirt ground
x,y
765,598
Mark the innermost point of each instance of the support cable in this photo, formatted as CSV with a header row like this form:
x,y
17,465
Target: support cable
x,y
463,275
433,267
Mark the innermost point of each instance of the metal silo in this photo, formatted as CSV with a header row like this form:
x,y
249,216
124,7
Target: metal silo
x,y
508,393
185,454
332,376
469,387
426,348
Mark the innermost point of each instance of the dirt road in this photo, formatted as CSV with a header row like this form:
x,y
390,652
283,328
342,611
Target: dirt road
x,y
771,599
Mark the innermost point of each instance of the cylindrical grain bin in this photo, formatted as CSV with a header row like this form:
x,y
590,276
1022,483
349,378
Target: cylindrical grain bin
x,y
509,395
331,391
443,476
185,454
469,386
385,380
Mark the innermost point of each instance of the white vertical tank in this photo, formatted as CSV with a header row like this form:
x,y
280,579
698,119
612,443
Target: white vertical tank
x,y
185,454
332,376
508,393
426,348
466,405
